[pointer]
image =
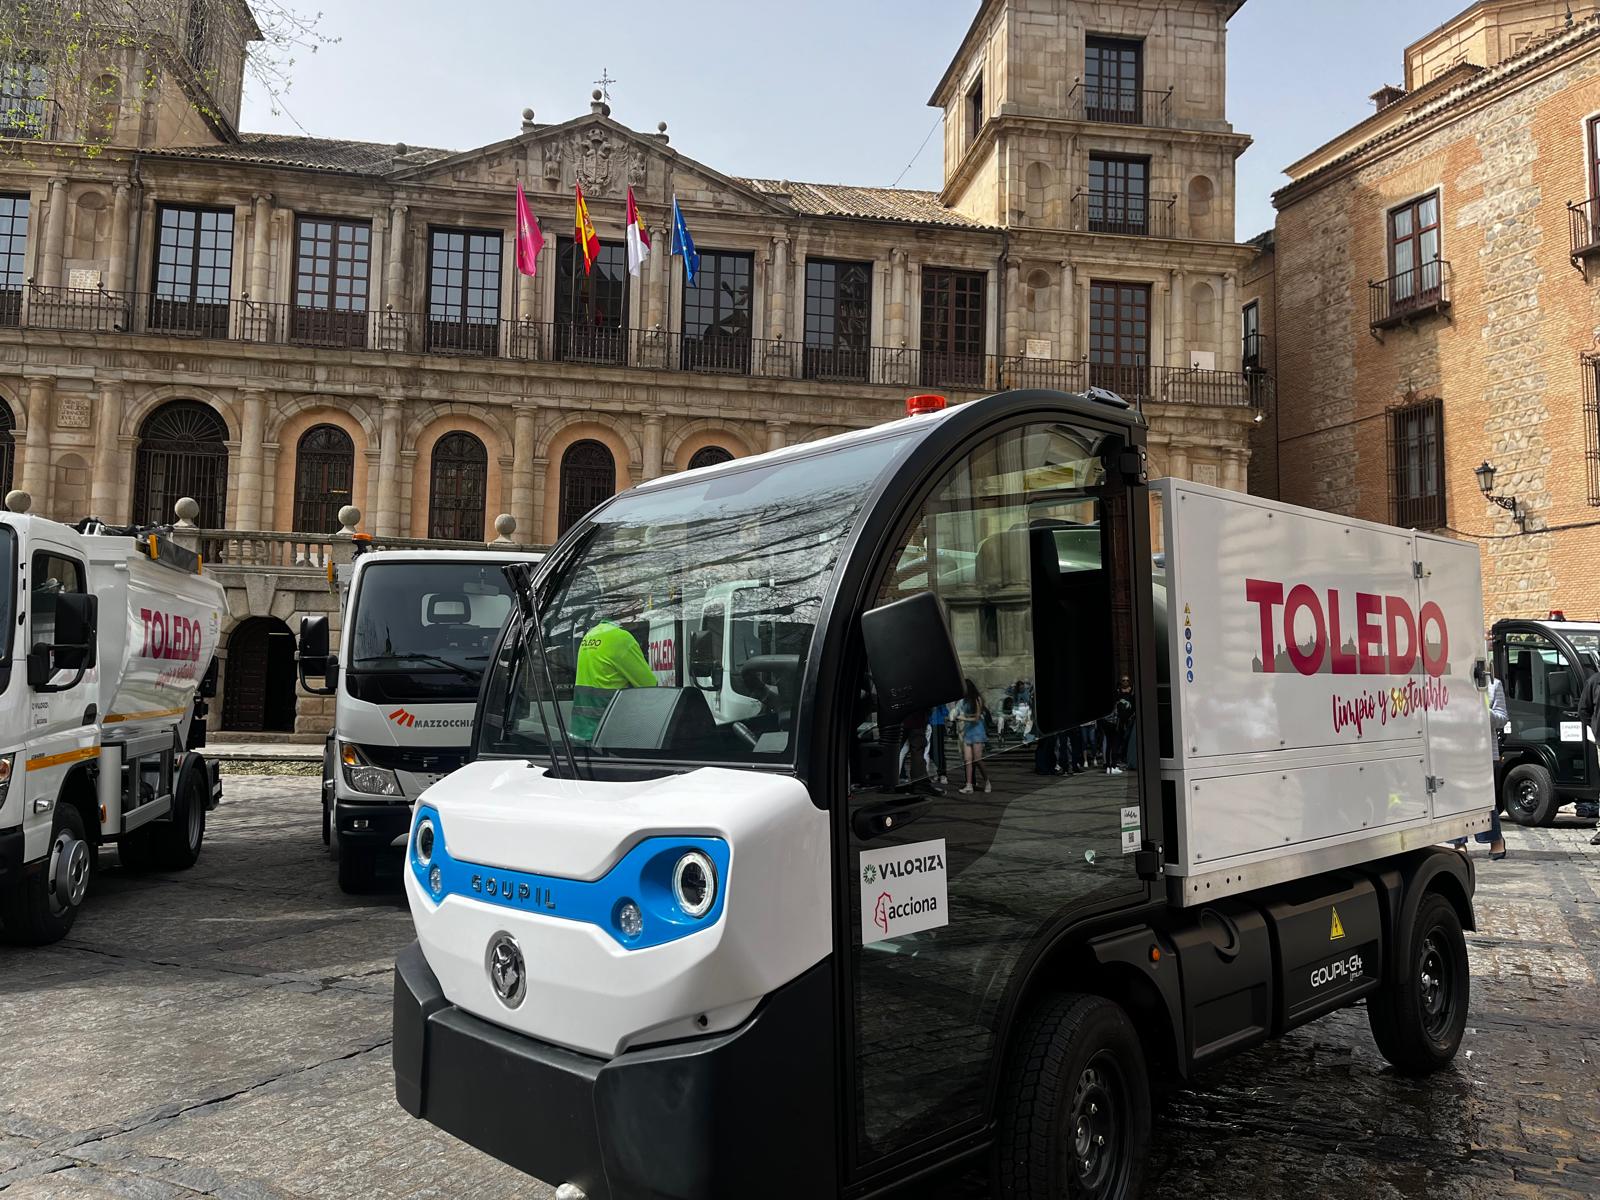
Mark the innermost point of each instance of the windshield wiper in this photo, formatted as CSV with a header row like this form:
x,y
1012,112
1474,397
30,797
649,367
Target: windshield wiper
x,y
431,659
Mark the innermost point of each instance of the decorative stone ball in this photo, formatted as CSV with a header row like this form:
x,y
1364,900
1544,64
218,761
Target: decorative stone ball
x,y
505,525
527,114
188,508
401,148
349,516
661,127
18,501
596,94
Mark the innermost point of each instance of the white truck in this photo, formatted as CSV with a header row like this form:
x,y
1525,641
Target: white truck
x,y
111,642
714,948
417,630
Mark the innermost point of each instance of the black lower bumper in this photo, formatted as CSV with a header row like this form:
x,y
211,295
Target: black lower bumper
x,y
369,825
10,854
742,1114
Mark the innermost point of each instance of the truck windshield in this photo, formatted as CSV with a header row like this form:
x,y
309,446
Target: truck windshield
x,y
680,630
8,593
429,619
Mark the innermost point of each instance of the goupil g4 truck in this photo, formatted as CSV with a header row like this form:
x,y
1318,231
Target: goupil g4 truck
x,y
700,939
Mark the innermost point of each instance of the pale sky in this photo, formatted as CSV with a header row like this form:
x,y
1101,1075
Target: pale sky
x,y
830,91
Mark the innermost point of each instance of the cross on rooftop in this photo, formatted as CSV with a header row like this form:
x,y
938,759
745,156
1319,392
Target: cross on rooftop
x,y
604,82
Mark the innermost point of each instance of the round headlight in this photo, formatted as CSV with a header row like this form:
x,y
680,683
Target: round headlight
x,y
435,881
425,842
694,884
629,919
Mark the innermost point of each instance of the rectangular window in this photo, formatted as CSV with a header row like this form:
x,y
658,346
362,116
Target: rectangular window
x,y
1119,338
464,291
1589,368
1119,194
23,103
1416,464
13,257
1414,267
976,113
716,314
592,308
193,271
330,289
1253,358
838,319
952,328
1113,74
52,575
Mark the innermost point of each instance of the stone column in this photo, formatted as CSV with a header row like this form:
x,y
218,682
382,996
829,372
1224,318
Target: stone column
x,y
261,250
777,435
897,298
117,268
1180,312
652,446
394,271
1177,461
522,454
388,522
659,263
1231,356
110,474
1013,304
36,469
55,243
778,325
537,533
247,514
1067,328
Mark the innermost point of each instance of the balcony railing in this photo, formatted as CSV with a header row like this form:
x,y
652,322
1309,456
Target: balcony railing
x,y
1583,221
1119,105
710,352
308,551
1129,216
1410,295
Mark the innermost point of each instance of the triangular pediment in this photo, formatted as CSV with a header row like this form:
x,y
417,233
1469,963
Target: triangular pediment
x,y
604,156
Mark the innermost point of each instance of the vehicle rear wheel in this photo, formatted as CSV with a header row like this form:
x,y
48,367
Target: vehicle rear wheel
x,y
1530,795
44,903
1075,1111
358,869
1420,1015
176,843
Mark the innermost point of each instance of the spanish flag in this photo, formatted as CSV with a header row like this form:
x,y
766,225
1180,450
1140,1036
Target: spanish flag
x,y
587,237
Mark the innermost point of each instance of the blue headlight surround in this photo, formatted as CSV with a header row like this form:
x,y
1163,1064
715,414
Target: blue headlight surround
x,y
643,875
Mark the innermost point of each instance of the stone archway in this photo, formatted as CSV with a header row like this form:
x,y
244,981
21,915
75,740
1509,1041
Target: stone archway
x,y
258,683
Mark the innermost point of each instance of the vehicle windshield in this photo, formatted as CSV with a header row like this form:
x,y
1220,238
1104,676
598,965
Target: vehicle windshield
x,y
429,618
679,631
8,594
1587,643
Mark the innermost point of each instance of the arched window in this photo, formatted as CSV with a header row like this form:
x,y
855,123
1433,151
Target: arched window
x,y
458,488
588,476
709,456
182,452
324,471
8,447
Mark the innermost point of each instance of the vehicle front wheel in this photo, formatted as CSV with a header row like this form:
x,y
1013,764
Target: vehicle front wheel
x,y
1530,795
1075,1110
1420,1015
41,907
358,869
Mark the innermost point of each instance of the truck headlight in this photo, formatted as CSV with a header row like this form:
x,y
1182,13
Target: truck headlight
x,y
5,776
363,777
694,884
425,842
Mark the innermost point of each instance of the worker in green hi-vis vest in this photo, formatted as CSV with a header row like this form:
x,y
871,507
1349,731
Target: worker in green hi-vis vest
x,y
609,659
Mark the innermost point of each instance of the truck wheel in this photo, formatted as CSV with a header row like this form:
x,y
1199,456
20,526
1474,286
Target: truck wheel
x,y
1530,795
45,903
1418,1018
176,844
358,869
1075,1110
327,797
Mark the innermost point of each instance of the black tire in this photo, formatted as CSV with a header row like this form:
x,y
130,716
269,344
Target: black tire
x,y
1075,1108
137,851
327,796
41,907
358,869
1419,1016
1530,795
176,843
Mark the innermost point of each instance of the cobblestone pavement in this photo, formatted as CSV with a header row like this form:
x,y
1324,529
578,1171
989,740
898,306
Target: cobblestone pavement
x,y
225,1032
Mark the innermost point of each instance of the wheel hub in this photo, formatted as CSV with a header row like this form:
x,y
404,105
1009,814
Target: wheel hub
x,y
1096,1138
1434,987
69,872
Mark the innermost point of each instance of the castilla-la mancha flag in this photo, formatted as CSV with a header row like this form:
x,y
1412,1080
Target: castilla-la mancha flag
x,y
587,237
638,237
530,238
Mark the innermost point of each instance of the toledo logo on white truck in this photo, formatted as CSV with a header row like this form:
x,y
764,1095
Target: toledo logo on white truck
x,y
112,637
671,882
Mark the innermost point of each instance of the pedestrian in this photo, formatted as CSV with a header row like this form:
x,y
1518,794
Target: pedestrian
x,y
915,754
938,717
1498,714
1589,714
972,720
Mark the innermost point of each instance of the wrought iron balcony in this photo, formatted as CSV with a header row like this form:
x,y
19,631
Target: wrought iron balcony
x,y
1125,215
1255,352
1114,105
1409,295
1583,221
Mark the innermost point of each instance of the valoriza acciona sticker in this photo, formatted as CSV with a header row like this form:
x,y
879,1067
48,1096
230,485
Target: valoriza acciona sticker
x,y
903,891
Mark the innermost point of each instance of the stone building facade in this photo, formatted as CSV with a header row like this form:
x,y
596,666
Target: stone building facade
x,y
1434,297
280,326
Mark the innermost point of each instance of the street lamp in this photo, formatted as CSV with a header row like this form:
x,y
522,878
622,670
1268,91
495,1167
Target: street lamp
x,y
1485,474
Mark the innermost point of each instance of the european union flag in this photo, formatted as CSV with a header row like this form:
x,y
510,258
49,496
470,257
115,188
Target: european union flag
x,y
682,243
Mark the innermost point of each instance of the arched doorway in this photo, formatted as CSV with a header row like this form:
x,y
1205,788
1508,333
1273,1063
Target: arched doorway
x,y
182,452
457,487
8,447
258,687
709,456
324,471
588,476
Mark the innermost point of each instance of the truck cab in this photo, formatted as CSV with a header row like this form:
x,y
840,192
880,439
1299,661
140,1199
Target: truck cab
x,y
711,945
418,629
1547,753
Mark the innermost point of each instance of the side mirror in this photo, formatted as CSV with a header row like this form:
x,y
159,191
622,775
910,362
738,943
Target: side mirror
x,y
314,657
912,656
705,662
77,621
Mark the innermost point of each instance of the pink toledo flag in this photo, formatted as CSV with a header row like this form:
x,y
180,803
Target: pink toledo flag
x,y
530,238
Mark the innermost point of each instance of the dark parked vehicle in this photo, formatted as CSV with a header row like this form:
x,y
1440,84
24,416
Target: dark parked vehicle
x,y
1547,757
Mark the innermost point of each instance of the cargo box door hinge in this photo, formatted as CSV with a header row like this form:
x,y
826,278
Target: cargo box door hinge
x,y
1416,571
1435,784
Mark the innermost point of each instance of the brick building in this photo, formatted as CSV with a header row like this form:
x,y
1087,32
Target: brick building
x,y
1430,298
280,326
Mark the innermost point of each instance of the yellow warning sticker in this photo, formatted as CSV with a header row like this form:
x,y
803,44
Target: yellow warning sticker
x,y
1337,931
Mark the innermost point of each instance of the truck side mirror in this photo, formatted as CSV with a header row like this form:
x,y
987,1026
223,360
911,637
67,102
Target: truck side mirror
x,y
76,631
705,659
912,656
314,657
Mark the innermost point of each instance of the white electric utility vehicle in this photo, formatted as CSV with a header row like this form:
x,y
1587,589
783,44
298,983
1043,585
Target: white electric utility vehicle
x,y
417,631
705,943
110,637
